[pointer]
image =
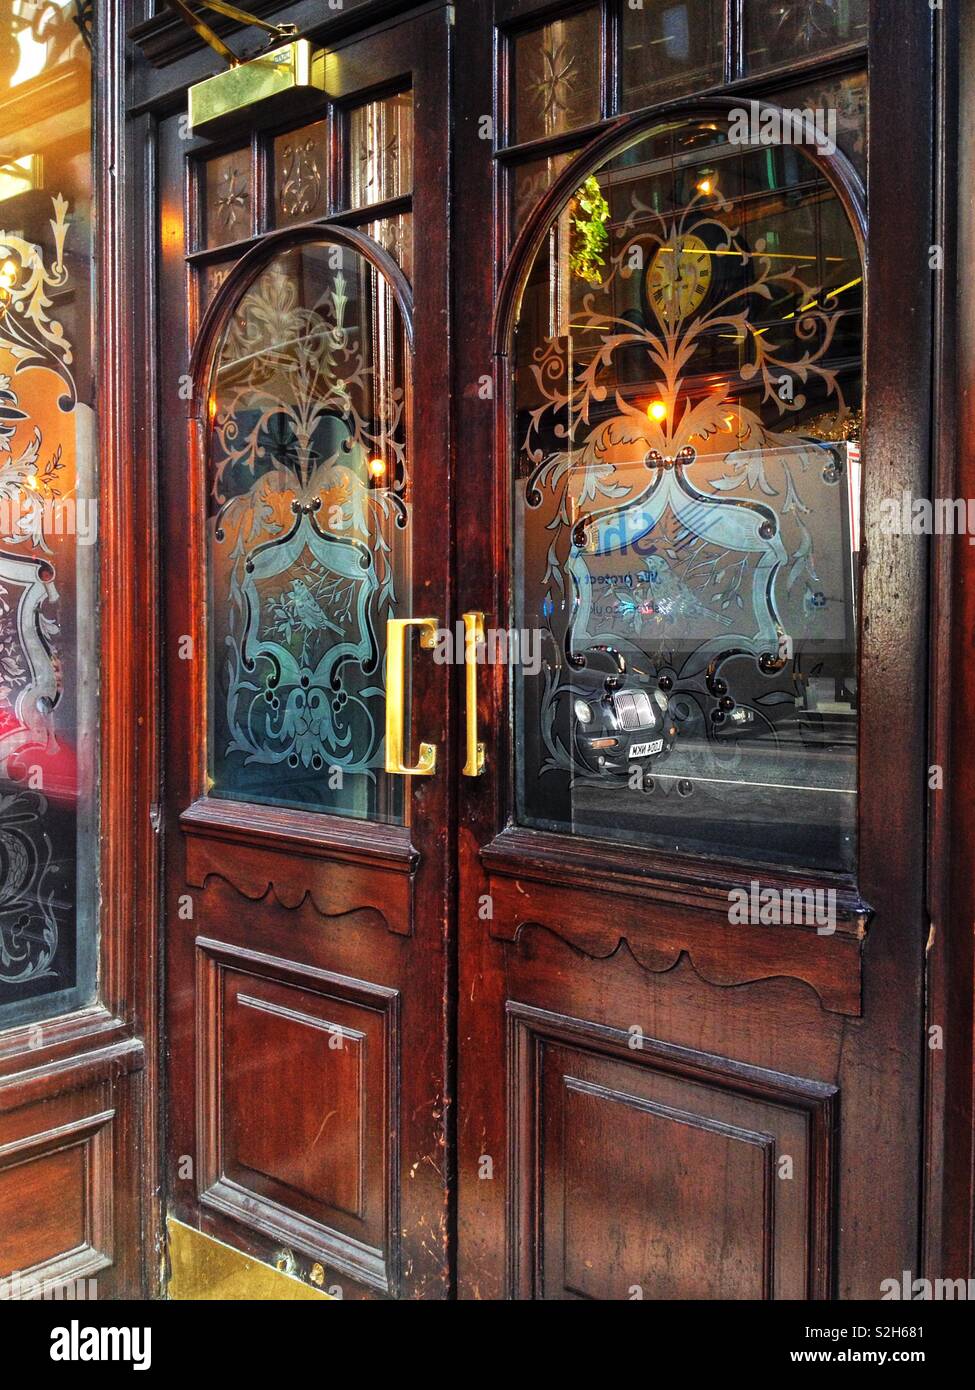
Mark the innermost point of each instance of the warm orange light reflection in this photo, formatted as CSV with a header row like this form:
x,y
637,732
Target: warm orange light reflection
x,y
377,467
657,411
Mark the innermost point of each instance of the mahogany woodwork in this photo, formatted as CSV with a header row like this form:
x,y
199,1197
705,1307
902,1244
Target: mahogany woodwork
x,y
307,928
949,1057
619,940
606,1162
659,1172
297,1081
68,1171
78,1095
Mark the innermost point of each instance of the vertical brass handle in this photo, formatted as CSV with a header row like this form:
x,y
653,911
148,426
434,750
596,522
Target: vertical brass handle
x,y
473,634
396,696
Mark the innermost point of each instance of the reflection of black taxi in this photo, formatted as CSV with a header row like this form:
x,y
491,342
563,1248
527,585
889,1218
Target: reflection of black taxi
x,y
621,718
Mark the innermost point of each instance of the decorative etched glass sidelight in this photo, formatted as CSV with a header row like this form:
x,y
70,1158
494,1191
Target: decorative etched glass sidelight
x,y
308,534
686,505
48,518
227,204
300,174
380,150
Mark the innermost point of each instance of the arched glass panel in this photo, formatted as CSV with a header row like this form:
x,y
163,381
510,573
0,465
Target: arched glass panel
x,y
308,535
687,395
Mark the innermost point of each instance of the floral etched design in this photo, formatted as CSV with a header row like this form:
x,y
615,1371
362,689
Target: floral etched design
x,y
30,661
301,182
701,484
309,486
553,83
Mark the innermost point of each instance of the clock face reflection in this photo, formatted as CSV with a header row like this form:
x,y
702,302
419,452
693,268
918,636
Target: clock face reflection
x,y
679,278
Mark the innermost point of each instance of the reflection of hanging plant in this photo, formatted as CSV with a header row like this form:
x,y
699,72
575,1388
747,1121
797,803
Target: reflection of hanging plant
x,y
589,232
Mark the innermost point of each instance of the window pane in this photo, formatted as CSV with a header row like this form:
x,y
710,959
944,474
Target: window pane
x,y
211,277
686,506
48,525
529,183
227,198
308,535
671,48
381,150
557,77
785,31
395,235
300,175
840,109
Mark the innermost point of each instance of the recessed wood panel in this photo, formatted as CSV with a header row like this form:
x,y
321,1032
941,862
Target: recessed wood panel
x,y
42,1209
297,1068
294,1095
657,1172
686,1212
56,1194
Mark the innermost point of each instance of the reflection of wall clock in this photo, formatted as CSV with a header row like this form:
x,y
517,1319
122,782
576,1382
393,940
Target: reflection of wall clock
x,y
679,278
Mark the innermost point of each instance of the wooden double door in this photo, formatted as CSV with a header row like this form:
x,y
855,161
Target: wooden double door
x,y
531,929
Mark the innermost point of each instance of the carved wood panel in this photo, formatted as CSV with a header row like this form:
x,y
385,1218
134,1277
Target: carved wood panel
x,y
658,1172
297,1075
658,935
56,1192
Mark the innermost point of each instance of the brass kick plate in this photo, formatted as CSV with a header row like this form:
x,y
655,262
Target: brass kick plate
x,y
202,1268
289,79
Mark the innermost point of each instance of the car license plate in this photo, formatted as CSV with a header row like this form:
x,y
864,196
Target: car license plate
x,y
646,750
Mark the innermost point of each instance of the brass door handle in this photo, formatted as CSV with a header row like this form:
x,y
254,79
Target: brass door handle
x,y
396,696
473,634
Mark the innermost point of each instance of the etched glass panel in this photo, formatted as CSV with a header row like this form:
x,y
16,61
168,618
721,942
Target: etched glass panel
x,y
786,31
211,277
308,535
381,150
529,182
395,235
48,519
227,208
686,506
670,48
300,175
557,72
838,107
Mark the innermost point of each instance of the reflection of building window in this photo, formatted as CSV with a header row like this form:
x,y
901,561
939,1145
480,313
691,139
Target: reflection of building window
x,y
677,44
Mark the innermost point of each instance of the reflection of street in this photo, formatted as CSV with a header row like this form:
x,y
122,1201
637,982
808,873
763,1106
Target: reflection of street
x,y
788,765
708,800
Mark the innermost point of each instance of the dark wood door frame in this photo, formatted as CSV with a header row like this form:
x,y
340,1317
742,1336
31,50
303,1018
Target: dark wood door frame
x,y
949,1191
905,71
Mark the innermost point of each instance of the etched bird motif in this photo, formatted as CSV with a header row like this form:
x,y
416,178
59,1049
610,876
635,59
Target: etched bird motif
x,y
308,609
